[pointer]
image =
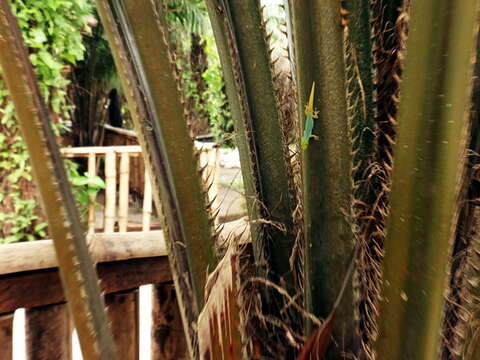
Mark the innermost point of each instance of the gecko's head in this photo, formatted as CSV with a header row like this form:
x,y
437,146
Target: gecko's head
x,y
304,144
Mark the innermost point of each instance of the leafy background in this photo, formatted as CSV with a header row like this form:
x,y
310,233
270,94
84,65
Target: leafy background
x,y
53,31
72,62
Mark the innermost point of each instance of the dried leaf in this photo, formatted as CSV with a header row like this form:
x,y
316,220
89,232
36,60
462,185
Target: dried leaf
x,y
317,345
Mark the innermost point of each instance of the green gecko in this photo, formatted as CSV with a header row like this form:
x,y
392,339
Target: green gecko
x,y
310,114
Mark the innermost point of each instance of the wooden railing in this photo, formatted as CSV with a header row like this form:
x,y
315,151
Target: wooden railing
x,y
118,169
124,261
29,279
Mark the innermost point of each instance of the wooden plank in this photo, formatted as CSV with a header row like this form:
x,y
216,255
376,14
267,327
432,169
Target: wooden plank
x,y
43,287
123,192
28,256
121,131
123,316
6,336
48,333
147,203
168,338
110,191
91,207
35,255
134,150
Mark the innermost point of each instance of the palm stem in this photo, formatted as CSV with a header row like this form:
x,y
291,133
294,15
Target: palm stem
x,y
318,38
241,42
137,36
429,158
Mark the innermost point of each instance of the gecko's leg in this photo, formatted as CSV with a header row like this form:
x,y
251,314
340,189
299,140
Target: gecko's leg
x,y
314,137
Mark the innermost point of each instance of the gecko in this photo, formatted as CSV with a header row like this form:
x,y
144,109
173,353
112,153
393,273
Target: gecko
x,y
310,114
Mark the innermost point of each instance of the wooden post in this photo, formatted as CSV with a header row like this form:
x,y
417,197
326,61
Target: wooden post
x,y
48,333
91,207
168,338
123,316
110,191
6,336
123,192
147,203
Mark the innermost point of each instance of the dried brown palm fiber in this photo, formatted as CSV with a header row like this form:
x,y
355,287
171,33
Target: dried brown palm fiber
x,y
389,22
225,328
220,314
462,302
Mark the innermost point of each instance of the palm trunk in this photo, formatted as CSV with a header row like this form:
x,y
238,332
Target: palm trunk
x,y
462,308
246,66
429,157
318,39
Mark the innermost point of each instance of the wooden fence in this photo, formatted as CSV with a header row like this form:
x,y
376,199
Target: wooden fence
x,y
29,279
118,173
124,260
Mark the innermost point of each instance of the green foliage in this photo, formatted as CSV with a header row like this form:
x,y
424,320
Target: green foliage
x,y
84,187
189,15
184,18
215,100
21,219
219,115
52,30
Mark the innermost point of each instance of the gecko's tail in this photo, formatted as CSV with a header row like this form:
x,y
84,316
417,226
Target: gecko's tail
x,y
309,107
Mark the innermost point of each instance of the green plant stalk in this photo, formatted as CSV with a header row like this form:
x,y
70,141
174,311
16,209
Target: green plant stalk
x,y
429,158
136,35
241,42
318,38
77,273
